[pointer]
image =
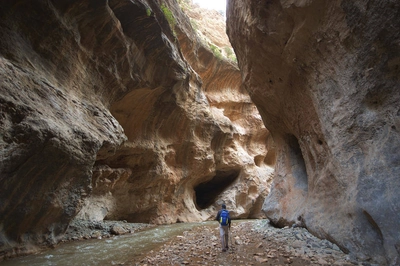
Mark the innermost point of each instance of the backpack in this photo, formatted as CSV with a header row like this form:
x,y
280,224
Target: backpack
x,y
224,217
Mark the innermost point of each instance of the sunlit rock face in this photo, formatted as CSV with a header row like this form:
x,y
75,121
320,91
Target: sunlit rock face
x,y
325,77
108,112
190,147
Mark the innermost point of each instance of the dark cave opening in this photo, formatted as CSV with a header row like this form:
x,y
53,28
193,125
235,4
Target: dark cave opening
x,y
298,166
207,192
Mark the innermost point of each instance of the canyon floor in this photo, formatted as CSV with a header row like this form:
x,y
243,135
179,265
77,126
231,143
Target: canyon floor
x,y
253,242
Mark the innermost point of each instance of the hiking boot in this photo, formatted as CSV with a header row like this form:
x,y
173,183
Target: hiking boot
x,y
226,247
223,250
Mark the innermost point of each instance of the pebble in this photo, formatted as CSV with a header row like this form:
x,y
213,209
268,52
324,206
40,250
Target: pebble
x,y
254,243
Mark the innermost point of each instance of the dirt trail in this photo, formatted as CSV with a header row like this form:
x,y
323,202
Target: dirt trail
x,y
252,243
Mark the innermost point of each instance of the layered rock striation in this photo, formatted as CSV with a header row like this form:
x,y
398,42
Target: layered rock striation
x,y
117,110
325,77
189,148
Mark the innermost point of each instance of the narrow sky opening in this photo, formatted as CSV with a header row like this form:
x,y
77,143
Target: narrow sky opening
x,y
219,5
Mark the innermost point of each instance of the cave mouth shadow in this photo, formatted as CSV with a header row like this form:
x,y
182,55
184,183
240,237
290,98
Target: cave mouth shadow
x,y
298,165
207,192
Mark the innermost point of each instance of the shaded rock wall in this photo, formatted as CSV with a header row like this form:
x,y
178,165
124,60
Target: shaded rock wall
x,y
325,77
109,111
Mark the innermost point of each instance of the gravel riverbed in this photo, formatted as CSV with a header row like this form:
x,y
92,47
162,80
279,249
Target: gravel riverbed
x,y
252,243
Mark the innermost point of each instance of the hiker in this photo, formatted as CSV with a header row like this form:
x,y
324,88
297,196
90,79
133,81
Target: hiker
x,y
225,225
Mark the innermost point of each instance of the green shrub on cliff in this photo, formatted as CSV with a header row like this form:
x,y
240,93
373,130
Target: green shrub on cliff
x,y
217,53
148,12
230,54
169,16
228,51
194,24
233,58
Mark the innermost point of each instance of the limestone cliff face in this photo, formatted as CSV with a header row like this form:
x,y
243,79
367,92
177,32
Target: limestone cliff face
x,y
110,111
325,77
190,148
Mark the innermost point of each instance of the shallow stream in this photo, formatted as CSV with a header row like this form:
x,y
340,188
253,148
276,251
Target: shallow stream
x,y
108,251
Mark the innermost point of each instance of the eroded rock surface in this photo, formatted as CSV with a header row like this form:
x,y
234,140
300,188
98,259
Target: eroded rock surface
x,y
325,77
111,110
189,146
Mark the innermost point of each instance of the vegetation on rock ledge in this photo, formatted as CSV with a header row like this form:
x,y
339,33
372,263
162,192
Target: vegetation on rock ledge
x,y
168,15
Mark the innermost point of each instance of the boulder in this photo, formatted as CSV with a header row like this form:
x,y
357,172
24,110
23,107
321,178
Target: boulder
x,y
118,230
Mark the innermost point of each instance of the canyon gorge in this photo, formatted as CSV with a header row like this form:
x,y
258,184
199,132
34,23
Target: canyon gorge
x,y
121,110
141,110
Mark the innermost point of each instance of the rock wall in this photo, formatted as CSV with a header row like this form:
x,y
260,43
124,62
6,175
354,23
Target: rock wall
x,y
189,148
111,110
325,78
